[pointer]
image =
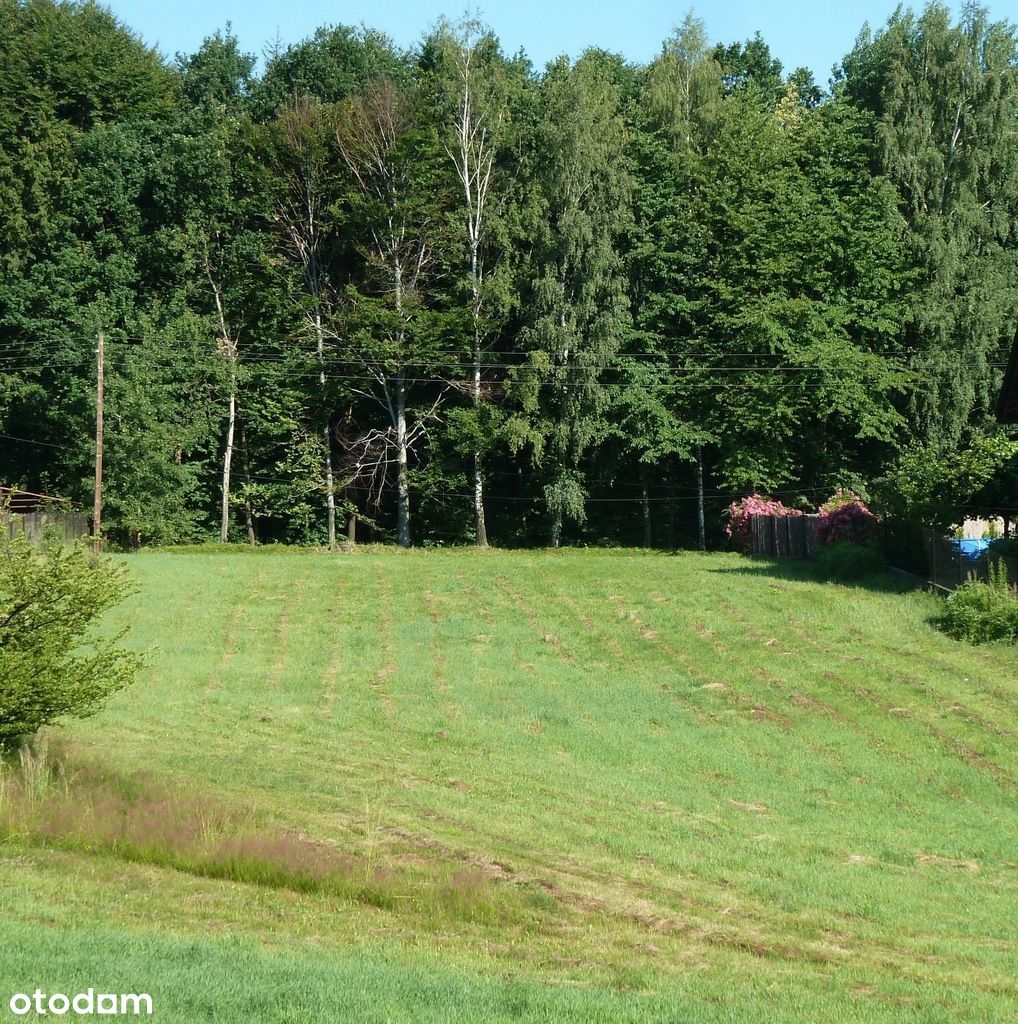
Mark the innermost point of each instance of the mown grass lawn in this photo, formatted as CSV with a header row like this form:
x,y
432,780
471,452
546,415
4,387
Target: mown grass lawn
x,y
599,785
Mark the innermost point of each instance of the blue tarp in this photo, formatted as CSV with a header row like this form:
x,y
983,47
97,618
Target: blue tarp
x,y
971,549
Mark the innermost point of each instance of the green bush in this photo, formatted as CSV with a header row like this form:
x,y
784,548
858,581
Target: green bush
x,y
847,560
983,612
52,664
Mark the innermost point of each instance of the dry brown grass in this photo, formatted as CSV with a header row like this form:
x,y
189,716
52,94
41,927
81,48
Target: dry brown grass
x,y
49,801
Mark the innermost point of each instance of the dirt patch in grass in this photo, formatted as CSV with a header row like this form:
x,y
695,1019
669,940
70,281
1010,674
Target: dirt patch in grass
x,y
762,713
768,949
861,858
755,808
746,705
934,860
804,700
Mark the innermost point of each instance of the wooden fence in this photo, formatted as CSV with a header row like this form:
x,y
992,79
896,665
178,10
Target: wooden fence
x,y
34,526
941,562
785,536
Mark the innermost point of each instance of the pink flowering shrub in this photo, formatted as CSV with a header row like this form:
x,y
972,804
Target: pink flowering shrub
x,y
740,515
845,517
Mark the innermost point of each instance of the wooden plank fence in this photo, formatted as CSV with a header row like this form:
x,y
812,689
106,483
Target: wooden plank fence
x,y
35,526
946,568
785,536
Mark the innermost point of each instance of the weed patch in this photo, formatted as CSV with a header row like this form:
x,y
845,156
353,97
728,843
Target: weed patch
x,y
86,808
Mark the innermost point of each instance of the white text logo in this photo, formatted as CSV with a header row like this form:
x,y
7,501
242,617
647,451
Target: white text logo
x,y
88,1002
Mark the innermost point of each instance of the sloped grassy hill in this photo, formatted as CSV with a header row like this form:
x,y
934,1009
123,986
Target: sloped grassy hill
x,y
455,786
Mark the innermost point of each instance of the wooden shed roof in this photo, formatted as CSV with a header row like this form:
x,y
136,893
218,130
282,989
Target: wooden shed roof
x,y
17,500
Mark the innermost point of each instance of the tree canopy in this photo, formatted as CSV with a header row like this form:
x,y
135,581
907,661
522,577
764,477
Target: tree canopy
x,y
443,296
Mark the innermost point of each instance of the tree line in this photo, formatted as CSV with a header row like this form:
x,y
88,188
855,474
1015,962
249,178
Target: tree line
x,y
439,295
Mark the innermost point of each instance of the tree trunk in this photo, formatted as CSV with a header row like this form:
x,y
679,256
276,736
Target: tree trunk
x,y
249,522
556,531
482,530
701,529
478,476
330,497
228,348
402,484
474,162
248,510
351,529
224,523
648,534
670,506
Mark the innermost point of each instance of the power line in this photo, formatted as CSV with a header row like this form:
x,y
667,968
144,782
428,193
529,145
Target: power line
x,y
283,360
726,494
458,359
314,365
28,440
450,352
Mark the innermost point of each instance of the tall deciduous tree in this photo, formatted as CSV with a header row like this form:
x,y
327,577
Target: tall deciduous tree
x,y
475,128
222,199
577,311
304,160
391,152
674,125
943,102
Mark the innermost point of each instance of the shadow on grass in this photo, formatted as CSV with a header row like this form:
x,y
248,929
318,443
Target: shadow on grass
x,y
798,570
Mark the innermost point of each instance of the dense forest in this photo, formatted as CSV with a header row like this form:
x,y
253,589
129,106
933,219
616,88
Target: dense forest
x,y
458,298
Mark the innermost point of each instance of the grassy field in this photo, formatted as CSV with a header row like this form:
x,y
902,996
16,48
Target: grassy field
x,y
455,786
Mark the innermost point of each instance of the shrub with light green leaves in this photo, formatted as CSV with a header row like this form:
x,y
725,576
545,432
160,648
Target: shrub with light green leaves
x,y
983,612
53,664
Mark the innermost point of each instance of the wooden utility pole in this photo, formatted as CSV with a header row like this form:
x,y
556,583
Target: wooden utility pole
x,y
97,510
699,501
648,535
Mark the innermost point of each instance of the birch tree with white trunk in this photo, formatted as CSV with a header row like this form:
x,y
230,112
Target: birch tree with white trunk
x,y
228,346
478,114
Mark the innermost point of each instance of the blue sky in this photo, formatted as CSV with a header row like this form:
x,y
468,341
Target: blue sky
x,y
816,34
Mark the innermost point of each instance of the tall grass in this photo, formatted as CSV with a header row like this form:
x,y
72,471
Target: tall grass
x,y
45,801
983,612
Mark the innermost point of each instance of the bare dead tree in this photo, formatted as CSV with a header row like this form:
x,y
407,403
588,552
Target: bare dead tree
x,y
372,139
370,456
